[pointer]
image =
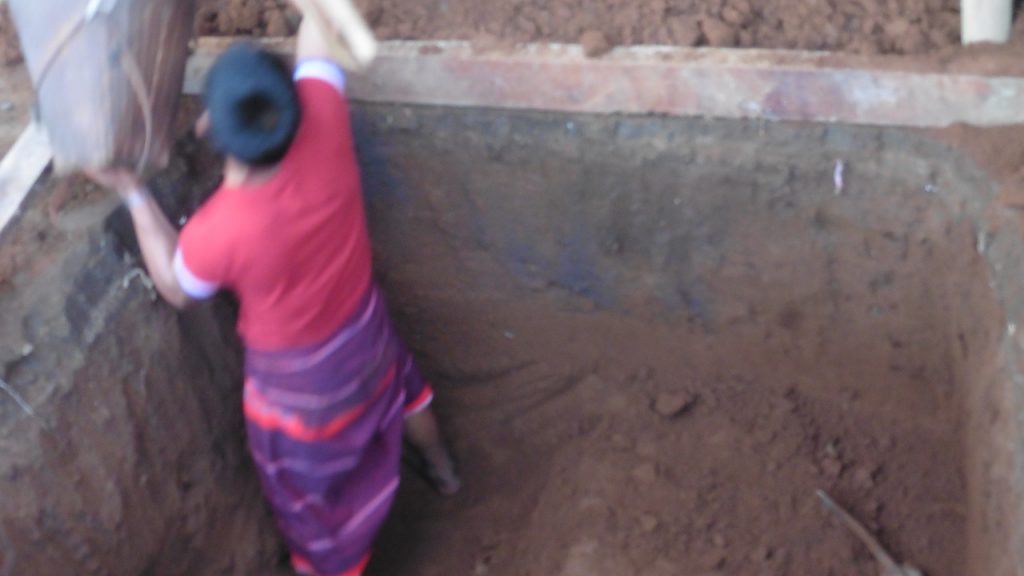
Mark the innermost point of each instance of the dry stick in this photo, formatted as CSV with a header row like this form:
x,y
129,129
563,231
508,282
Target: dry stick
x,y
17,398
885,561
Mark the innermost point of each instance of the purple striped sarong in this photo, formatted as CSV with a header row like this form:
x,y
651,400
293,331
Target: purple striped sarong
x,y
325,430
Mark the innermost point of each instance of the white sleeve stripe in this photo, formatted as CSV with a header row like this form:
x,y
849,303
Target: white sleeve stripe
x,y
194,286
321,69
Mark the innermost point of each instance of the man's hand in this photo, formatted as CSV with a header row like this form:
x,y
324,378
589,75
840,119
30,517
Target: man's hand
x,y
334,30
121,180
158,239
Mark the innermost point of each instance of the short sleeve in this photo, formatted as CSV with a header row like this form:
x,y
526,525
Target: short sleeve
x,y
201,261
323,70
325,135
321,88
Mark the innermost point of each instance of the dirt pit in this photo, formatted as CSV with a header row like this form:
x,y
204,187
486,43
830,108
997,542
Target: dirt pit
x,y
652,339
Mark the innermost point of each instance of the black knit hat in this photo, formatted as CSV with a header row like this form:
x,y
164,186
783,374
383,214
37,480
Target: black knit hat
x,y
254,108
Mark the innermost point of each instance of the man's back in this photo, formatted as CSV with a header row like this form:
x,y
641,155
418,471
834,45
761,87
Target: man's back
x,y
294,248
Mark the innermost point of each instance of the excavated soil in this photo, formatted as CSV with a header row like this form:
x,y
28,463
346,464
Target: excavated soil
x,y
862,26
246,17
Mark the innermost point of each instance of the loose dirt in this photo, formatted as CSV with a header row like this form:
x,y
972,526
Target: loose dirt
x,y
246,17
871,26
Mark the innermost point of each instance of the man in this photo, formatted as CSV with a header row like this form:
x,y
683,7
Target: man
x,y
328,382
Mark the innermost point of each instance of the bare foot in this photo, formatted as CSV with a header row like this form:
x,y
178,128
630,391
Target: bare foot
x,y
430,455
444,478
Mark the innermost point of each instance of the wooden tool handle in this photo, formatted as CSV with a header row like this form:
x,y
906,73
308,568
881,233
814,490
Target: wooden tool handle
x,y
356,45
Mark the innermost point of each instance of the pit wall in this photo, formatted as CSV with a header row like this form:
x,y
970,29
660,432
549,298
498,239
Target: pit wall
x,y
133,460
998,406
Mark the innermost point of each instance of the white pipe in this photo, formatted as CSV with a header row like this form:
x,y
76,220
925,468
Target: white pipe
x,y
986,20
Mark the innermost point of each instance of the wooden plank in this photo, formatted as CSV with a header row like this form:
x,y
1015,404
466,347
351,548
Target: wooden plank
x,y
20,168
772,85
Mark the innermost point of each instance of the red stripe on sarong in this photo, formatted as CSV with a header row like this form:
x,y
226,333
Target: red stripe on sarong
x,y
303,566
259,412
421,401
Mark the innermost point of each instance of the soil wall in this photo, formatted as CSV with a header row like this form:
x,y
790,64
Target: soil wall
x,y
132,460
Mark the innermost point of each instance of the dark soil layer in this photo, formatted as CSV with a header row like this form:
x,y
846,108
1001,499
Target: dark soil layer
x,y
861,26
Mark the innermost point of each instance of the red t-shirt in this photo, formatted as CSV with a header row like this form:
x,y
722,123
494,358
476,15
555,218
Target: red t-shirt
x,y
295,249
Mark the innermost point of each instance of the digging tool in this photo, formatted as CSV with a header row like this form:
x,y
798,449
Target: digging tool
x,y
351,41
886,564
